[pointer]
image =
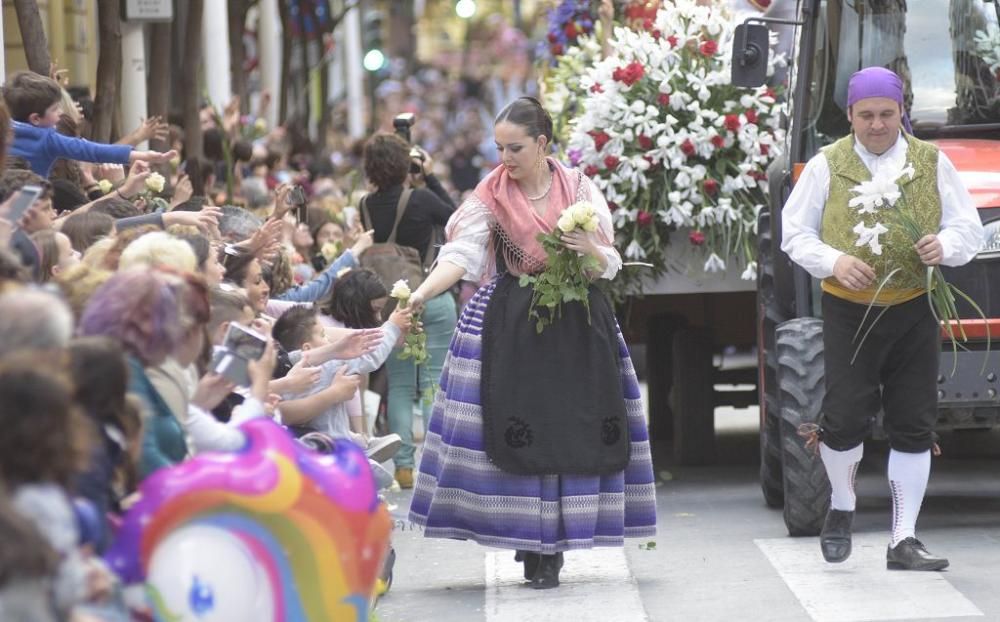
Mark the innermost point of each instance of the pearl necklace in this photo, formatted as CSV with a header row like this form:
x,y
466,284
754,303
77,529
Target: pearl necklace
x,y
544,194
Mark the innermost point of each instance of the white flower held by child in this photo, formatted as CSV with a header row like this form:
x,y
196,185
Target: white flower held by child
x,y
401,291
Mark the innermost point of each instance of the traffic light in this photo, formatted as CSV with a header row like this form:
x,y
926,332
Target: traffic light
x,y
371,39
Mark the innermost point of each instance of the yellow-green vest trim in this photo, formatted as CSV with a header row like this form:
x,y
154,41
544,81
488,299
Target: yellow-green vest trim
x,y
920,199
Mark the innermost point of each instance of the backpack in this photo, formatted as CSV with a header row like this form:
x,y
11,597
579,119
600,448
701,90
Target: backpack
x,y
391,261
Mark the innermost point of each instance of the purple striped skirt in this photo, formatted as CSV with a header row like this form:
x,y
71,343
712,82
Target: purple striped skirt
x,y
460,494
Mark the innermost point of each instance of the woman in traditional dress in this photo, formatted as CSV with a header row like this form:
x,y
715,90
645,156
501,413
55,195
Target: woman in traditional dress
x,y
537,441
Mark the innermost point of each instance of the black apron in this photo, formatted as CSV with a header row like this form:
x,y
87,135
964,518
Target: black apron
x,y
552,402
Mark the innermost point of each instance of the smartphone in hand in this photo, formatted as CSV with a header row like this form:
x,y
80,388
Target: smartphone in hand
x,y
22,202
241,346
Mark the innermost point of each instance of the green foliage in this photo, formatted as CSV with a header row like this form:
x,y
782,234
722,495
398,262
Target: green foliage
x,y
565,279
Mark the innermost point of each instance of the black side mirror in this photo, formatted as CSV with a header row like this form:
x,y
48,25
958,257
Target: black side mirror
x,y
750,50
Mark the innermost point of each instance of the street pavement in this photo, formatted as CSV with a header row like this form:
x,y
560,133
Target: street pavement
x,y
721,554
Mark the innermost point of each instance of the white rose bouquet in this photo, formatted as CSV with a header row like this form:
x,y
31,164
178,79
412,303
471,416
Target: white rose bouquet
x,y
566,275
415,342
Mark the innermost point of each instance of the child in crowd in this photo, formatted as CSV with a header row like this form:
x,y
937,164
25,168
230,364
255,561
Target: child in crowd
x,y
35,104
301,334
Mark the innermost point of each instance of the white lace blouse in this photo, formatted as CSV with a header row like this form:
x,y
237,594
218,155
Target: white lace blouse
x,y
468,246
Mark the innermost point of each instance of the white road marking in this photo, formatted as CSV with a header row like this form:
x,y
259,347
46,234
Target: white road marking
x,y
861,589
595,585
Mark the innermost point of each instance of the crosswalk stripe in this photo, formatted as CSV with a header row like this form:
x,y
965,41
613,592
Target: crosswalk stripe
x,y
861,589
595,585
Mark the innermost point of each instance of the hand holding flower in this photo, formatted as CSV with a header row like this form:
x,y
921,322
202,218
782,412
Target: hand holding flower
x,y
853,273
930,250
415,340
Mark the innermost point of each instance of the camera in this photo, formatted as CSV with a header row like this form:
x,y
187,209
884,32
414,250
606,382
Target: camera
x,y
402,124
416,154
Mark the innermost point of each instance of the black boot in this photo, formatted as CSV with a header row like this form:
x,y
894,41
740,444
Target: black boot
x,y
530,560
547,576
835,539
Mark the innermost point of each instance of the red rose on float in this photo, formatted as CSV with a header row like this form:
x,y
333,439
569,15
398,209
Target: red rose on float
x,y
600,139
709,47
697,238
644,219
732,122
612,206
647,24
718,141
687,147
629,74
611,162
645,142
664,99
590,170
597,88
656,34
556,49
751,115
570,30
711,186
672,40
764,150
552,37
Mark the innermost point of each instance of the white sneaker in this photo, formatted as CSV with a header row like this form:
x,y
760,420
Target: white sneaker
x,y
381,448
383,478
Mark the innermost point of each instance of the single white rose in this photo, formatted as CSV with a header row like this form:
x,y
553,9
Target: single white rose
x,y
400,291
105,186
154,183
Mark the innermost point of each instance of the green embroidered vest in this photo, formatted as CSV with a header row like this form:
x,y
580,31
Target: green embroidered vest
x,y
919,198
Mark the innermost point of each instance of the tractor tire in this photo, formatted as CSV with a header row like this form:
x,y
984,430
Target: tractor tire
x,y
692,398
800,378
769,315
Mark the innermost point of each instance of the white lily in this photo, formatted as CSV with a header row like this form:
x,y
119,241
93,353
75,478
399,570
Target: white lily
x,y
750,274
714,263
869,236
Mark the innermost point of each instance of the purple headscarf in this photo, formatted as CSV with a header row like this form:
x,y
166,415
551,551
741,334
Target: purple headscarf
x,y
877,82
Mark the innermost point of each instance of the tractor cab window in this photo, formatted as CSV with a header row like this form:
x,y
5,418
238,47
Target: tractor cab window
x,y
949,59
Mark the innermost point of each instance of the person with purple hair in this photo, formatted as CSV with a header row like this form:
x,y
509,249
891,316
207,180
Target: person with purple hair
x,y
831,226
149,312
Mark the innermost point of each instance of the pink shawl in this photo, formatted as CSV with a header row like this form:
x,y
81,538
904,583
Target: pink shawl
x,y
517,219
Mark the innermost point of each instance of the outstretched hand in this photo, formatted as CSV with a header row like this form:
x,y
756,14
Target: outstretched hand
x,y
357,343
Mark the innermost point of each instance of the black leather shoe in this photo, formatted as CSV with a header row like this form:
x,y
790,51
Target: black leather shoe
x,y
530,560
547,576
835,539
911,554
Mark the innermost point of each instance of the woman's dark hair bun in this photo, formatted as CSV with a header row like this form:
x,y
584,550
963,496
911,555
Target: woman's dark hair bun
x,y
527,112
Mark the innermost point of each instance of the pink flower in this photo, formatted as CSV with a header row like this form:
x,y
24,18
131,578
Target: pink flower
x,y
732,122
696,238
672,40
664,99
645,142
718,141
688,147
597,88
644,219
611,162
590,170
709,47
711,186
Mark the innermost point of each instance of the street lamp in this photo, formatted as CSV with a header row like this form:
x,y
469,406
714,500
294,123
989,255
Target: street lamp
x,y
465,8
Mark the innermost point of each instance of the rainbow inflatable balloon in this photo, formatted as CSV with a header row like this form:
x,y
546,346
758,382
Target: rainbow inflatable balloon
x,y
273,532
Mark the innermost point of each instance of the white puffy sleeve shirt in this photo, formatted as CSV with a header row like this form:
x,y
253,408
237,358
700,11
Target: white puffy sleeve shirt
x,y
469,230
961,232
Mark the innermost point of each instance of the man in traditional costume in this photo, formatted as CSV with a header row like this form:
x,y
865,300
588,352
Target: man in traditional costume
x,y
837,225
